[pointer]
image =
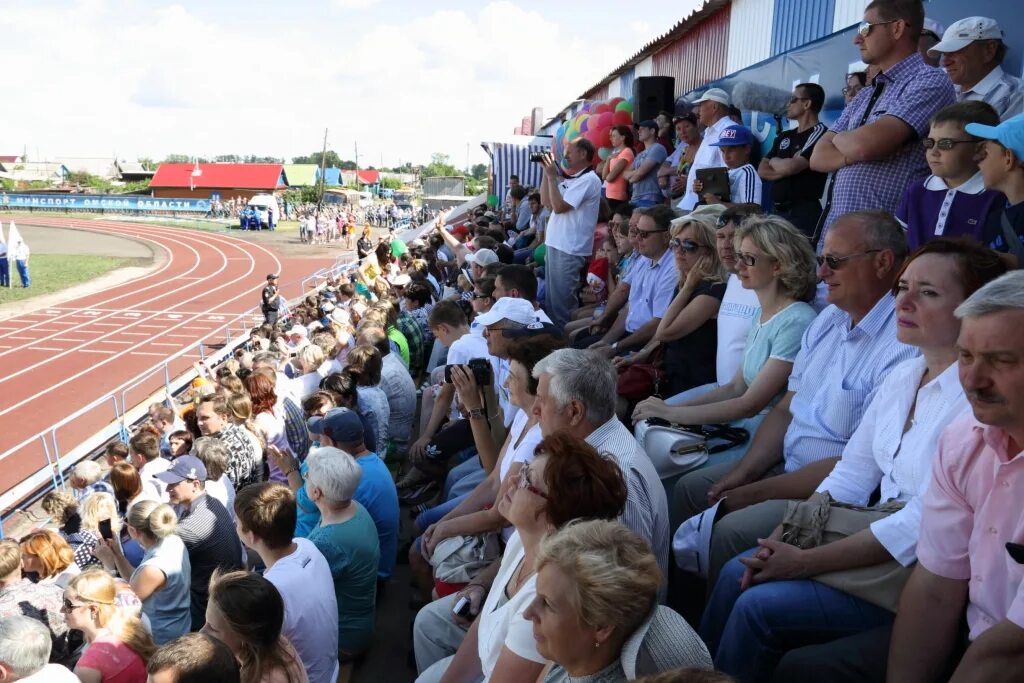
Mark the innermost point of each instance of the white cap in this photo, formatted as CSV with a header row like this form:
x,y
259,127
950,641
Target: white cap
x,y
327,307
482,257
298,329
401,280
507,308
340,315
966,31
715,95
691,543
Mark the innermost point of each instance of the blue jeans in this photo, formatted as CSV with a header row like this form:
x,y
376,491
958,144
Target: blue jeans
x,y
690,394
23,273
521,255
748,632
561,279
5,271
463,478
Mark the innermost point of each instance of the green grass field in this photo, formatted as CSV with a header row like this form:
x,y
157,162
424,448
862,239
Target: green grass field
x,y
54,272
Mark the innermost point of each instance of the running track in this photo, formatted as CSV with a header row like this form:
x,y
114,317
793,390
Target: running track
x,y
59,359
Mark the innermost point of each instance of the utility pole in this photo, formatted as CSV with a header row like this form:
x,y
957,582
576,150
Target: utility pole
x,y
323,164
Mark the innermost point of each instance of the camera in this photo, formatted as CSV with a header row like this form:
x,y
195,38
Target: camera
x,y
480,369
537,157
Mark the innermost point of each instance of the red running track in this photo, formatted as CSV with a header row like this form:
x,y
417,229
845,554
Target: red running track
x,y
59,359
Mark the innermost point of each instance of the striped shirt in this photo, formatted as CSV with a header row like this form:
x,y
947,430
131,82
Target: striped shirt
x,y
1003,91
835,376
646,510
209,535
744,185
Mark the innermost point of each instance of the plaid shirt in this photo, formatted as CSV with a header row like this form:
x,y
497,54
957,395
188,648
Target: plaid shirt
x,y
408,326
912,92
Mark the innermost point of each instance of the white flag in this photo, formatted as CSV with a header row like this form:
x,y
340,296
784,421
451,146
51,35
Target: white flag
x,y
13,241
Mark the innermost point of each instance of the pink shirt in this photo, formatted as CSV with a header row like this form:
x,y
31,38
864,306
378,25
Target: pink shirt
x,y
115,661
970,511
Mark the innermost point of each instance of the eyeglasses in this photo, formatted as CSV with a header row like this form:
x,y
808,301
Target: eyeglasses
x,y
837,262
865,28
944,144
749,260
523,482
69,606
480,296
689,246
850,91
644,234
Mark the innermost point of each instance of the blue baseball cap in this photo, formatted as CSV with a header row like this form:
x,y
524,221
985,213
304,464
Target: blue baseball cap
x,y
1009,134
184,467
339,424
734,136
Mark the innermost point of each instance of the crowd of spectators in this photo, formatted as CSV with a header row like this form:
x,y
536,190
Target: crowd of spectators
x,y
619,404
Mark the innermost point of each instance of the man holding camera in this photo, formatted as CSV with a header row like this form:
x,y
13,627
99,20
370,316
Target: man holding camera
x,y
574,201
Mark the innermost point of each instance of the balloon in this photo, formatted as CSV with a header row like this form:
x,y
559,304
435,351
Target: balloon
x,y
492,200
604,153
606,119
625,105
585,125
613,102
622,118
602,108
573,134
603,136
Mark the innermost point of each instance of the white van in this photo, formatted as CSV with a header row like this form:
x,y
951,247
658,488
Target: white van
x,y
261,203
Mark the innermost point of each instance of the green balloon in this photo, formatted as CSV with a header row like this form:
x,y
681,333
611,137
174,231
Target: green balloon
x,y
572,135
492,200
538,254
624,105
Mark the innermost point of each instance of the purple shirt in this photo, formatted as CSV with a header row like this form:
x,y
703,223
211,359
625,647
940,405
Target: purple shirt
x,y
913,92
930,209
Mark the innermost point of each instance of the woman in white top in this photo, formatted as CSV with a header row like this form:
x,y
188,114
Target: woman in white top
x,y
892,448
567,480
776,261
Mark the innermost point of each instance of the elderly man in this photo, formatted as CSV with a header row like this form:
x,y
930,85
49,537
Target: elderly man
x,y
844,356
972,52
873,147
637,305
25,648
713,114
576,395
574,201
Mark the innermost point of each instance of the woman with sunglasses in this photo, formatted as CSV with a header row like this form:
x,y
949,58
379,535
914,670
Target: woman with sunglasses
x,y
776,261
482,298
688,332
567,480
117,644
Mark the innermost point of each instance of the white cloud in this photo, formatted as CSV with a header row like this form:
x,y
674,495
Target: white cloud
x,y
106,76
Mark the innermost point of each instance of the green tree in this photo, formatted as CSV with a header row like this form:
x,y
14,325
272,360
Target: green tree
x,y
479,171
177,159
389,183
439,166
333,160
148,164
228,158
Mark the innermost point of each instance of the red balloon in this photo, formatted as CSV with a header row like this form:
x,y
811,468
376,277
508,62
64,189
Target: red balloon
x,y
606,119
602,108
614,101
622,118
603,136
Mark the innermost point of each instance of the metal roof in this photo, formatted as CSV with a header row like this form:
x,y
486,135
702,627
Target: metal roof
x,y
220,176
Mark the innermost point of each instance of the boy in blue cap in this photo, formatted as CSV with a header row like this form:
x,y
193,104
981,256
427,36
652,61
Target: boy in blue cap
x,y
1002,168
744,184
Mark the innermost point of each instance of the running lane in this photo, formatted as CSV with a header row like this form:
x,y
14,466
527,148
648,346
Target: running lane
x,y
58,360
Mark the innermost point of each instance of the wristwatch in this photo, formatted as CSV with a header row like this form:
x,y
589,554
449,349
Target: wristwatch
x,y
477,414
615,346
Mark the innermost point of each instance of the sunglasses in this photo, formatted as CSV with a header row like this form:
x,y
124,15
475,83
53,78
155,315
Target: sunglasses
x,y
945,144
865,28
837,262
689,246
644,234
749,260
69,606
523,482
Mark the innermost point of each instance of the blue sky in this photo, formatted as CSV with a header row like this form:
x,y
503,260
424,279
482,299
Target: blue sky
x,y
143,78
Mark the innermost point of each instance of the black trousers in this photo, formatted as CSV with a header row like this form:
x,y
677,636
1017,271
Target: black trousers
x,y
803,214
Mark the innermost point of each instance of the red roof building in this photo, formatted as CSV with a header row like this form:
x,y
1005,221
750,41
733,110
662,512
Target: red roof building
x,y
229,180
368,177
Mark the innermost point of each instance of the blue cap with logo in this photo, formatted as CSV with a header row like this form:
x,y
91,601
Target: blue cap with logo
x,y
1009,134
734,136
339,424
184,467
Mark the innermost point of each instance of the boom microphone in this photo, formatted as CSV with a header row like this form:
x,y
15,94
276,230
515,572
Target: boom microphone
x,y
751,96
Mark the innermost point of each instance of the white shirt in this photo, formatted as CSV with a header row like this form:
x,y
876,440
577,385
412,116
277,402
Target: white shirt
x,y
148,475
524,452
880,452
51,673
310,609
706,157
1004,92
224,491
505,625
652,285
735,316
572,232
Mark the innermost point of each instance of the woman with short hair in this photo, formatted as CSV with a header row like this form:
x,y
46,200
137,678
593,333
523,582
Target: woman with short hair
x,y
597,583
246,613
567,480
47,557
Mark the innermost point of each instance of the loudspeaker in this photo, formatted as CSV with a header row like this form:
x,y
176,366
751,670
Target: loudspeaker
x,y
652,94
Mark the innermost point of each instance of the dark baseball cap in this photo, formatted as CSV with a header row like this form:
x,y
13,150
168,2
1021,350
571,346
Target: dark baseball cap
x,y
184,467
339,424
272,276
647,123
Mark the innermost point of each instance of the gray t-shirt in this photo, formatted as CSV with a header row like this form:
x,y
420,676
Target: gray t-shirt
x,y
646,189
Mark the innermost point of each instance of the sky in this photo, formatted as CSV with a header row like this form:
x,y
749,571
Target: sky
x,y
402,79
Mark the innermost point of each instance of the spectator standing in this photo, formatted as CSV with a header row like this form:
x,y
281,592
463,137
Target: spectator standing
x,y
713,114
672,174
642,175
205,528
5,264
613,169
266,523
872,146
270,300
21,253
574,202
953,200
366,365
47,558
96,508
269,420
25,649
87,478
972,52
244,464
398,387
144,454
193,658
855,82
796,189
40,601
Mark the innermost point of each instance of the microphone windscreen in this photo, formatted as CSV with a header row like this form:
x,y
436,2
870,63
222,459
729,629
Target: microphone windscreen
x,y
750,96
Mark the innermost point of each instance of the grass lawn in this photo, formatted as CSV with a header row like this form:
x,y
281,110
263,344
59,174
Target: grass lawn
x,y
54,272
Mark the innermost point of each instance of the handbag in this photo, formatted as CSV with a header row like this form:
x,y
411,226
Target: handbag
x,y
641,380
820,520
675,449
459,558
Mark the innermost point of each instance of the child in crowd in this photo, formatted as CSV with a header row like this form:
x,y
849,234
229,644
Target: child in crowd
x,y
744,183
1002,168
953,200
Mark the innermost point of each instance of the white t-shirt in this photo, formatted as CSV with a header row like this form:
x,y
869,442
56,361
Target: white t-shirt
x,y
148,475
51,673
523,453
744,185
310,609
224,491
572,232
505,625
735,316
306,385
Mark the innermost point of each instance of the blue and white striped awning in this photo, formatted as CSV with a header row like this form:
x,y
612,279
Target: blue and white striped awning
x,y
512,157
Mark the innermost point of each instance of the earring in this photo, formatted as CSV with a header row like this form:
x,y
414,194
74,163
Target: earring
x,y
596,645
